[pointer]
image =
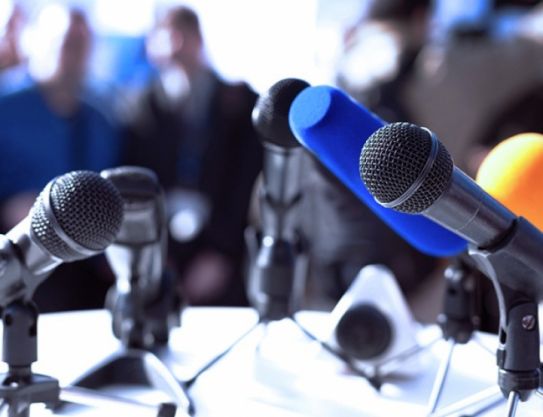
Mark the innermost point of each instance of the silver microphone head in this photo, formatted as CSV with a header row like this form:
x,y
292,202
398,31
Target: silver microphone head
x,y
77,215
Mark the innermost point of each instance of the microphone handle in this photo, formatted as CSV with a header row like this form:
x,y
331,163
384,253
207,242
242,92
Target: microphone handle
x,y
467,210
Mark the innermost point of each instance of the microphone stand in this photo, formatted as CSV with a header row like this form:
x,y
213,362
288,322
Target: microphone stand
x,y
457,322
511,267
142,329
20,387
276,284
281,269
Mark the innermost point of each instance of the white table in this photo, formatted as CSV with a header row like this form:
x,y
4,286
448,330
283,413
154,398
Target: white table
x,y
288,375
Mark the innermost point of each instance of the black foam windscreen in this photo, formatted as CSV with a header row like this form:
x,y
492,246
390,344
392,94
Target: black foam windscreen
x,y
86,208
393,159
364,332
270,114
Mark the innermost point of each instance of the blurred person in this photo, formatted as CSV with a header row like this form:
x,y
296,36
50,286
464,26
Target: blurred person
x,y
48,130
521,112
195,131
344,234
380,55
467,89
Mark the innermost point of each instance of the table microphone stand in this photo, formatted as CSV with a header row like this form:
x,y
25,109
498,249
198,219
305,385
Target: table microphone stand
x,y
142,330
275,287
457,321
20,387
512,267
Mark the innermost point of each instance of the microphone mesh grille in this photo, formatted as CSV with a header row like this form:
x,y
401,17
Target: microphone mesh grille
x,y
87,208
392,160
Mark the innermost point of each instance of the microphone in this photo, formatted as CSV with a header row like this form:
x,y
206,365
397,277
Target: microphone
x,y
143,303
138,255
76,216
282,153
272,276
406,168
334,128
511,173
372,323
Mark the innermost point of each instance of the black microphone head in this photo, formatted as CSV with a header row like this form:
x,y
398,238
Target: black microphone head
x,y
77,215
405,167
270,114
364,332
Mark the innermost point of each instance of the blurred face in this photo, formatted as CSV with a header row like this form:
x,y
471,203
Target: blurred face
x,y
173,45
75,47
58,44
186,45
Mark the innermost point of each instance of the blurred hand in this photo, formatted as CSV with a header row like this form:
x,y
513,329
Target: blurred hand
x,y
207,277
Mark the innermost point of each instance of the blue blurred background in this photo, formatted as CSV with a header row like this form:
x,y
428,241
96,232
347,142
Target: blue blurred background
x,y
257,41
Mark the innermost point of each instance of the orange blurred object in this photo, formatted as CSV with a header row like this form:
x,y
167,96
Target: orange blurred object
x,y
513,174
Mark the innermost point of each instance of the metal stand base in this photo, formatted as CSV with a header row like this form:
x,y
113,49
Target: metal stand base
x,y
487,398
20,387
18,394
134,367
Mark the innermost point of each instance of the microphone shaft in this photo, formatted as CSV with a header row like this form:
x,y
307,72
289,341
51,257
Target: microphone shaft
x,y
465,209
280,192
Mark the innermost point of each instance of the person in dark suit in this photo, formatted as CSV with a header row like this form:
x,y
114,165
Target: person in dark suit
x,y
194,130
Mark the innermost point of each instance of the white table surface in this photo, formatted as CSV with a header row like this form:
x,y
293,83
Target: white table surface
x,y
287,375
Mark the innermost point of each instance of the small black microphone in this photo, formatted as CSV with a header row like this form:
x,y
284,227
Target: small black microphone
x,y
271,280
372,323
76,216
364,332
